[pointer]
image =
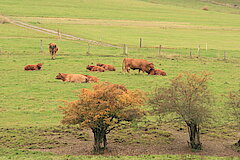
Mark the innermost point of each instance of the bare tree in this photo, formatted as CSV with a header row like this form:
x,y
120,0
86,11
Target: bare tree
x,y
234,103
189,97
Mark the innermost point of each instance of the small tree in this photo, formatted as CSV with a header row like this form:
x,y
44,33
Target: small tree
x,y
102,108
187,96
234,103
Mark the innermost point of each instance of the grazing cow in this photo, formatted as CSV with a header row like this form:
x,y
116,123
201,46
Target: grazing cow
x,y
53,50
77,78
92,79
156,72
33,67
140,64
107,67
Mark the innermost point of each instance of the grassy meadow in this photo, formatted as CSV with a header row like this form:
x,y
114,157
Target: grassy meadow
x,y
31,99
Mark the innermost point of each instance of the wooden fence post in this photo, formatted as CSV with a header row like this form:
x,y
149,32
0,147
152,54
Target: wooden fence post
x,y
41,47
159,49
225,55
59,34
206,47
190,52
199,50
88,50
140,45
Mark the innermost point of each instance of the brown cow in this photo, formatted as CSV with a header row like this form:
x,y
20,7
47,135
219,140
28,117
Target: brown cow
x,y
89,67
157,72
140,64
32,67
92,79
53,50
78,78
98,69
107,67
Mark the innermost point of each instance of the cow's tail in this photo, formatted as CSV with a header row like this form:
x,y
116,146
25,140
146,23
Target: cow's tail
x,y
123,65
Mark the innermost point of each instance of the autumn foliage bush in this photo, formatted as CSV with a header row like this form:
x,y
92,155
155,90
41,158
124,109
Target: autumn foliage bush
x,y
102,108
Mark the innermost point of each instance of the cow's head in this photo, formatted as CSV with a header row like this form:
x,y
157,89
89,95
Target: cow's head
x,y
39,65
60,76
151,71
149,67
89,67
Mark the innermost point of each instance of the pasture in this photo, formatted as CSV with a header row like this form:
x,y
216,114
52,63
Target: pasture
x,y
31,98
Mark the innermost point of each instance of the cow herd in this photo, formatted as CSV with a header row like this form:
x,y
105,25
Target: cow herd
x,y
127,64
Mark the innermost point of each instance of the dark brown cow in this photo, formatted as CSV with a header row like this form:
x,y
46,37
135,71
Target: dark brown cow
x,y
157,72
140,64
107,67
53,50
32,67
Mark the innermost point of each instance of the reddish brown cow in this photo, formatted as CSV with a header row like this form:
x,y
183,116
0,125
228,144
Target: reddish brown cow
x,y
157,72
92,79
107,67
89,67
140,64
98,69
53,50
32,67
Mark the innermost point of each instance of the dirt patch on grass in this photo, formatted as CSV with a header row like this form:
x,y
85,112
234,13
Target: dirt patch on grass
x,y
147,140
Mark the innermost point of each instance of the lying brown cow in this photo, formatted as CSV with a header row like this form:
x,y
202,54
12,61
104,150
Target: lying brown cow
x,y
107,67
92,79
33,67
77,78
89,67
157,72
95,68
140,64
53,50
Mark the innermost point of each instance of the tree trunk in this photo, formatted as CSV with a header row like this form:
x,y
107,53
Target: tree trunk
x,y
100,140
97,141
194,136
238,143
105,141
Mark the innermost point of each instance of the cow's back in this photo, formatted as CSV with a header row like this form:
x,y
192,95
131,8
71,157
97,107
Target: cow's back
x,y
78,78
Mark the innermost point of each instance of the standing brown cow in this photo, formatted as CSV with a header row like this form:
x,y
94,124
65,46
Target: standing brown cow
x,y
140,64
53,50
32,67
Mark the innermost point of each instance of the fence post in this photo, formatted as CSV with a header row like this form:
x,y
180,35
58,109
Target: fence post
x,y
225,55
41,47
140,45
190,52
206,47
125,50
199,50
159,49
88,50
59,34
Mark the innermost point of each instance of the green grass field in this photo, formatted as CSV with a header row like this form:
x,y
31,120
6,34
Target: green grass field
x,y
32,98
